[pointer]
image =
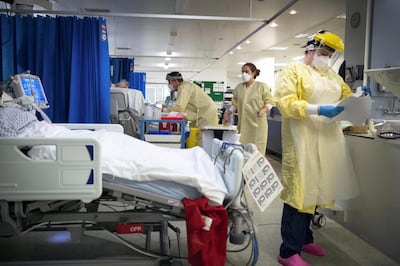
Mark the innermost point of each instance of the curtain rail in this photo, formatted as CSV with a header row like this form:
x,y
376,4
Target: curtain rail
x,y
132,15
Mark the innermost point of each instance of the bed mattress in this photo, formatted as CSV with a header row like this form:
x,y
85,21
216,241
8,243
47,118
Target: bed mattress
x,y
168,189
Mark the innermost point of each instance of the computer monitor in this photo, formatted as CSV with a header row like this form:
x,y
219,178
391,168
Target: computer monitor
x,y
30,85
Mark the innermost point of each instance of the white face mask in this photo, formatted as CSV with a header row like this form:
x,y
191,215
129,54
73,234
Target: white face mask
x,y
170,87
321,62
246,77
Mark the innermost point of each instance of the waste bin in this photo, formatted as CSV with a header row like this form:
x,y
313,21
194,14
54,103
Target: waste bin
x,y
194,138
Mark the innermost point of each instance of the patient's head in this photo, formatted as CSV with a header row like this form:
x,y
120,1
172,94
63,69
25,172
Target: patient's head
x,y
122,84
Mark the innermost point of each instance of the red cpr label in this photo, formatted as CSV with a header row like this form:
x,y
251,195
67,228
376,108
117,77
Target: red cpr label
x,y
129,228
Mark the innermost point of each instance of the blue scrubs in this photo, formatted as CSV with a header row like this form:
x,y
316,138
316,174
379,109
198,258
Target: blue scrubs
x,y
295,231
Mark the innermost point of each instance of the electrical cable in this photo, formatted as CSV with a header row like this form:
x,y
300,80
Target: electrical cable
x,y
252,239
55,223
253,234
248,242
250,223
240,191
140,250
224,146
133,247
43,114
255,248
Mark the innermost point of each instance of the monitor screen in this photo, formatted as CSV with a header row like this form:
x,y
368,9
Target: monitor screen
x,y
30,85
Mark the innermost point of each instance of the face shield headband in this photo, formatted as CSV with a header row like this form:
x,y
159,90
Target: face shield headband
x,y
174,76
335,55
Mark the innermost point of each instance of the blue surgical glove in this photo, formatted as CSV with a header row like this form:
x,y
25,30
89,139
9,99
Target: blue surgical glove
x,y
330,110
366,90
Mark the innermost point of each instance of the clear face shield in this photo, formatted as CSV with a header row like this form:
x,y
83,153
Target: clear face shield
x,y
325,57
171,77
170,87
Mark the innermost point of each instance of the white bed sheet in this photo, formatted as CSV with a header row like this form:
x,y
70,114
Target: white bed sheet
x,y
126,157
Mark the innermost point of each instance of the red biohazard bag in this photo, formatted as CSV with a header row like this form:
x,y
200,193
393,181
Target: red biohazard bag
x,y
207,231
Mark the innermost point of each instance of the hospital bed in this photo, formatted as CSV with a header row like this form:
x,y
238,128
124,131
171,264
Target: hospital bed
x,y
58,179
126,109
44,194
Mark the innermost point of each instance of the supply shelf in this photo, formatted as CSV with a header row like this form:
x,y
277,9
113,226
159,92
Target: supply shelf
x,y
163,132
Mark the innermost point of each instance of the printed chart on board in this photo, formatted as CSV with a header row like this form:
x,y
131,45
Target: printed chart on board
x,y
261,180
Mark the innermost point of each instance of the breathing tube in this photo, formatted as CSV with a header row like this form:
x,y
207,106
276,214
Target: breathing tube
x,y
28,103
42,114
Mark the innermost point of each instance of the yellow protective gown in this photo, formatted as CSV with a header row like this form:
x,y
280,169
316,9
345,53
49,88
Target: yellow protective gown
x,y
248,101
196,104
316,168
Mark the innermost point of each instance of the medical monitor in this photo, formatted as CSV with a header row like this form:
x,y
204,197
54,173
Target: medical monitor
x,y
30,85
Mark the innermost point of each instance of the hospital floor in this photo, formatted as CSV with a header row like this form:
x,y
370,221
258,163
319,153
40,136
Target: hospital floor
x,y
343,247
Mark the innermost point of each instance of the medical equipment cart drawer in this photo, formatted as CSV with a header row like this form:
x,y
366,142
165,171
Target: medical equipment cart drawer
x,y
166,138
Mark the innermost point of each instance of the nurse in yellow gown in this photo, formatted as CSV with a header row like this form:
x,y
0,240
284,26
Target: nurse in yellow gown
x,y
198,107
315,162
251,100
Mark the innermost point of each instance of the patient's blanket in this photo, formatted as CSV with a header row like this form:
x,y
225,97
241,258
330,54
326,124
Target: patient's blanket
x,y
126,157
207,231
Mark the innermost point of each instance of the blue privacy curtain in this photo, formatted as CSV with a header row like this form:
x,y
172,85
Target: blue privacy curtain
x,y
137,80
71,57
121,68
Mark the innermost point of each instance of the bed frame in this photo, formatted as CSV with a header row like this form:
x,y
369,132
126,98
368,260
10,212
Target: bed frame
x,y
34,193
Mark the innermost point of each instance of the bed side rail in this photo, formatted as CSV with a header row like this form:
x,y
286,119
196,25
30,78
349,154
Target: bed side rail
x,y
230,163
73,172
109,127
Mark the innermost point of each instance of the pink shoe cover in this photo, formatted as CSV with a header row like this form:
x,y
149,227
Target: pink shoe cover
x,y
294,260
314,249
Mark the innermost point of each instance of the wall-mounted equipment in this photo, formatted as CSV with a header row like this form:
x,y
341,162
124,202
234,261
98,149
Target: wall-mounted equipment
x,y
387,77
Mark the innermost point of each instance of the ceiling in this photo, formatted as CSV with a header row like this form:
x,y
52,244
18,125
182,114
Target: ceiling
x,y
197,36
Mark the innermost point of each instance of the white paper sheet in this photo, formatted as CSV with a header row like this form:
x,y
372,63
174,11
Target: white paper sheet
x,y
356,109
261,180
